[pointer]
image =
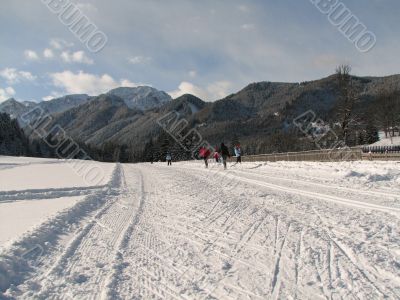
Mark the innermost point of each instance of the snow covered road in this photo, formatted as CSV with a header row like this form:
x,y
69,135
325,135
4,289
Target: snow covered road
x,y
256,231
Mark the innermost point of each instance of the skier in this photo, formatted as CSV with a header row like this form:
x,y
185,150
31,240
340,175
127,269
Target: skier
x,y
216,156
238,153
205,153
169,159
224,153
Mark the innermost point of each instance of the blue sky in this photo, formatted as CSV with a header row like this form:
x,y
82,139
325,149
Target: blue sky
x,y
208,48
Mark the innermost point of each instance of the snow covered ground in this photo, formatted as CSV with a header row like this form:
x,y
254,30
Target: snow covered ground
x,y
387,141
286,230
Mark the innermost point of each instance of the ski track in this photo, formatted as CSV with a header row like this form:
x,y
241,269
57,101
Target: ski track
x,y
48,193
315,184
311,193
177,233
83,272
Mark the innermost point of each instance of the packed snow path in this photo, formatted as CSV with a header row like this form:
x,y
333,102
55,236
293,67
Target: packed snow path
x,y
185,232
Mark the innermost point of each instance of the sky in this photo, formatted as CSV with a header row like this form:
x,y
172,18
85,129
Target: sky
x,y
209,48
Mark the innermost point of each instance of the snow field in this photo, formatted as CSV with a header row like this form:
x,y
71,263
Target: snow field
x,y
16,217
287,230
56,174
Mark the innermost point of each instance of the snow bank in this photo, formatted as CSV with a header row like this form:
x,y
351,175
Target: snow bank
x,y
24,254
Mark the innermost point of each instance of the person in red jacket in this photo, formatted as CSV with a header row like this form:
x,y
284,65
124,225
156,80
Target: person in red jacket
x,y
205,154
216,156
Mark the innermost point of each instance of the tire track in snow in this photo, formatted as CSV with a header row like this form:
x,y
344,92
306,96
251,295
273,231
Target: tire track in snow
x,y
82,270
143,272
145,254
227,219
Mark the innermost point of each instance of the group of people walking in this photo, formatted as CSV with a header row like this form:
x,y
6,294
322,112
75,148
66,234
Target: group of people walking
x,y
220,154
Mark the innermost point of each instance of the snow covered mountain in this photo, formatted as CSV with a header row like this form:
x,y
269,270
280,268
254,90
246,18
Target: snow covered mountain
x,y
142,97
14,108
137,99
62,104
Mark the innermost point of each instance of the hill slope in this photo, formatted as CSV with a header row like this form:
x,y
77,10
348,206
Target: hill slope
x,y
260,116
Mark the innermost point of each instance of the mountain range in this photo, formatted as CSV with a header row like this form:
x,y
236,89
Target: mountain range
x,y
127,116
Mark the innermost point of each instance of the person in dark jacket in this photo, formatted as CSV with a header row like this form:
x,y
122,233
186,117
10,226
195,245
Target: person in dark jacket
x,y
224,154
168,158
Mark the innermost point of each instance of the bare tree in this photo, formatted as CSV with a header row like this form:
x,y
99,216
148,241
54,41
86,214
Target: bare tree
x,y
348,98
387,111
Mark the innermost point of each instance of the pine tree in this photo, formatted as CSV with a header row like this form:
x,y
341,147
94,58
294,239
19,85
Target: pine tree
x,y
148,153
372,135
164,146
12,138
124,154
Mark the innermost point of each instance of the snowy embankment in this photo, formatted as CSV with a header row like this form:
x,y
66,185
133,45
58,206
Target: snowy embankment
x,y
258,230
40,200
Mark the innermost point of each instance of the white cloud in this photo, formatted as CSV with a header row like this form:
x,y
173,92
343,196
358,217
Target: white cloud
x,y
139,60
48,53
48,98
248,26
52,96
86,83
10,90
13,76
60,44
188,88
214,91
76,57
31,55
25,75
219,89
128,83
243,8
6,93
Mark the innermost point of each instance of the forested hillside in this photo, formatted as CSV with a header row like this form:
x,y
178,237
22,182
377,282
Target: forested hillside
x,y
261,117
12,138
